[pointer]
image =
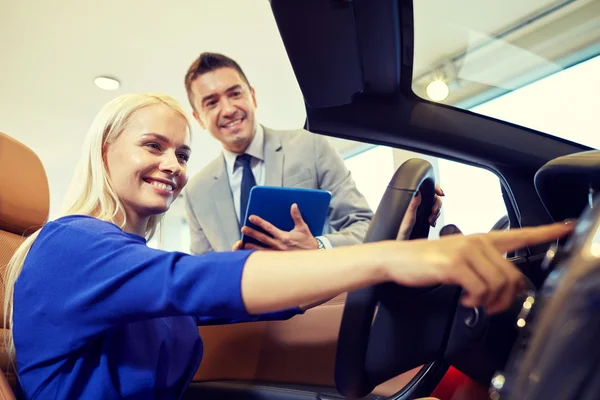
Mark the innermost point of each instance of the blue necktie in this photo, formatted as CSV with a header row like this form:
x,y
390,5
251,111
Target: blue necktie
x,y
248,182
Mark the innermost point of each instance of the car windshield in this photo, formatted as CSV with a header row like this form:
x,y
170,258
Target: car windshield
x,y
534,63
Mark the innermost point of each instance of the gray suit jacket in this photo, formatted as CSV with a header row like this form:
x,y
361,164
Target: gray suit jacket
x,y
292,159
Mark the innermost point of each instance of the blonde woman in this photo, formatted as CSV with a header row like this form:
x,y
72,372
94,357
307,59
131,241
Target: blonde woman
x,y
96,313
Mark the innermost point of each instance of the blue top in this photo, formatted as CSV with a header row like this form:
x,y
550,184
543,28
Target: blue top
x,y
100,315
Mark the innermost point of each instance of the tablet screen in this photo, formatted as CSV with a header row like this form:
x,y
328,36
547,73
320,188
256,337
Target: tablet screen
x,y
273,204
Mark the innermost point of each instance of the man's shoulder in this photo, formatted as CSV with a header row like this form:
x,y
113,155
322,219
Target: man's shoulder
x,y
302,141
292,136
287,133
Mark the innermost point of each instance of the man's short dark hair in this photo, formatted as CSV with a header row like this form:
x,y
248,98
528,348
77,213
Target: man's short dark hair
x,y
208,62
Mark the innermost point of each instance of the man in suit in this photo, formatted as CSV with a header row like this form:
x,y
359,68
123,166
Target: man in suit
x,y
224,103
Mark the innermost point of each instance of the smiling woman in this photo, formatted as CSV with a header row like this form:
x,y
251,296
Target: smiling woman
x,y
132,168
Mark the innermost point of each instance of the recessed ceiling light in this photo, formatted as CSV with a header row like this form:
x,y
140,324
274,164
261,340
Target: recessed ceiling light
x,y
106,83
438,90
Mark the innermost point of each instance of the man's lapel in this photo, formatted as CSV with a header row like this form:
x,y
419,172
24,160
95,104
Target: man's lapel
x,y
224,205
273,159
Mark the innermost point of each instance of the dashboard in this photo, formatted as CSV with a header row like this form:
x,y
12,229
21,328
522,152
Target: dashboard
x,y
556,355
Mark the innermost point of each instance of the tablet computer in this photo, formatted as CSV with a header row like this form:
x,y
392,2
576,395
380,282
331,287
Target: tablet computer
x,y
273,204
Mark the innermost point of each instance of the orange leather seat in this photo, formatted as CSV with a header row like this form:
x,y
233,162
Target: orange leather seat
x,y
24,206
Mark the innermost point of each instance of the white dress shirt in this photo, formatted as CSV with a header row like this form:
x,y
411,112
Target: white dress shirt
x,y
257,165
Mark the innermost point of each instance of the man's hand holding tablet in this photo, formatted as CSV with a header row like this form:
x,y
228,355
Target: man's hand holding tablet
x,y
274,220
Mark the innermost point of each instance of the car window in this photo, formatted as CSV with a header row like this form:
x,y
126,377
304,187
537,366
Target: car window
x,y
532,63
473,198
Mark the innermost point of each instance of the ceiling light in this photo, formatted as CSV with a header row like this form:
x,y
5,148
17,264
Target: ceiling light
x,y
106,83
438,90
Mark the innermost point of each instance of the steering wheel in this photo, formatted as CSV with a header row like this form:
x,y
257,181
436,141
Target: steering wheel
x,y
415,326
352,375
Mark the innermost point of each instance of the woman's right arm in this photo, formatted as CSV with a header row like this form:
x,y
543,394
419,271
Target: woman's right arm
x,y
93,279
276,280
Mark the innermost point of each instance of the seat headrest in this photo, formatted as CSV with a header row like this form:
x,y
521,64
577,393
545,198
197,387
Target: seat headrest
x,y
24,192
564,184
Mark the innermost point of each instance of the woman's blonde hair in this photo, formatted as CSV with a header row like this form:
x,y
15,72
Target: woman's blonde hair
x,y
91,192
